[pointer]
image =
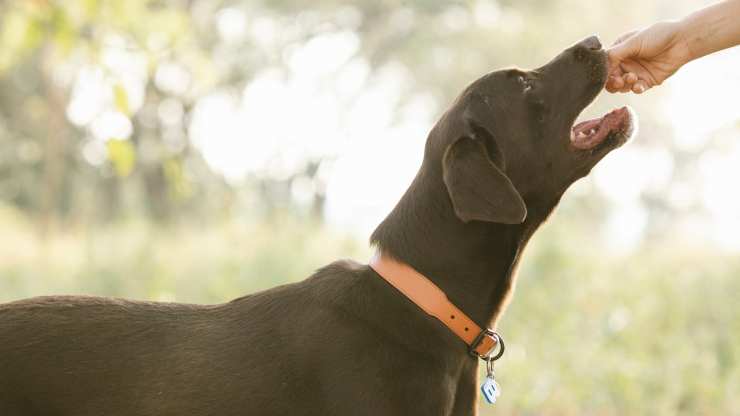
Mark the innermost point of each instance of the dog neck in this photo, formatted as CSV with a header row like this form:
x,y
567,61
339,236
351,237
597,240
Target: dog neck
x,y
473,263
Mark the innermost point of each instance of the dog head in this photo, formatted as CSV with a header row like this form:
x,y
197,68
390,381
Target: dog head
x,y
508,145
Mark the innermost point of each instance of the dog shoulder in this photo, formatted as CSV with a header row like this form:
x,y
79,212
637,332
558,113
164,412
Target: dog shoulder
x,y
336,278
344,289
340,267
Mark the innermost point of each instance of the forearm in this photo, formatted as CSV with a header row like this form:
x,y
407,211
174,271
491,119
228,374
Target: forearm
x,y
711,29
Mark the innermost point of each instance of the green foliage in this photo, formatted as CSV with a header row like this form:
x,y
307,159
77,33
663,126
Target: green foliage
x,y
18,35
120,98
175,173
593,333
44,45
211,263
121,155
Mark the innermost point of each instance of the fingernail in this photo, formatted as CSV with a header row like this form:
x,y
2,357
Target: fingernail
x,y
640,89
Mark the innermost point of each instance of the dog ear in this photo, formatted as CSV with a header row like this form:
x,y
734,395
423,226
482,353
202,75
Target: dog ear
x,y
478,188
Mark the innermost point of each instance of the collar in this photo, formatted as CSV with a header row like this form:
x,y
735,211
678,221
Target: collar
x,y
433,300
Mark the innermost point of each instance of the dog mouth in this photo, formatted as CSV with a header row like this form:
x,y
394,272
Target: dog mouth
x,y
616,124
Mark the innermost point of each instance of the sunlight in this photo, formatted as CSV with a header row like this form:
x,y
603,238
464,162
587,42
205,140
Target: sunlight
x,y
702,102
327,104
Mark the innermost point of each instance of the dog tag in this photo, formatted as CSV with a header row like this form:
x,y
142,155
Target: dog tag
x,y
491,390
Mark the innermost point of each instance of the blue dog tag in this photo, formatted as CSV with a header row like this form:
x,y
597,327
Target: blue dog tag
x,y
491,390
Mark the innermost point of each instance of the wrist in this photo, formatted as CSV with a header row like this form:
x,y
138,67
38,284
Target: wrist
x,y
685,40
710,29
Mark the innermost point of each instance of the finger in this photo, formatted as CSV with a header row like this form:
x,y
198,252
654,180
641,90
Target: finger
x,y
611,89
613,67
612,86
630,78
639,87
614,83
626,87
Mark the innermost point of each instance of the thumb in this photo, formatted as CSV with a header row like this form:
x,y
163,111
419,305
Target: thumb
x,y
624,47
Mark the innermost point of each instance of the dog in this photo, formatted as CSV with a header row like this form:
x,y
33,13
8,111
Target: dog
x,y
344,341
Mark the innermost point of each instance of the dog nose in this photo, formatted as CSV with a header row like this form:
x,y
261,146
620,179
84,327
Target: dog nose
x,y
591,43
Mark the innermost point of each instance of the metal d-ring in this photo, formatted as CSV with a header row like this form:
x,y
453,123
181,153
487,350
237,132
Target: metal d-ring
x,y
491,358
479,338
501,348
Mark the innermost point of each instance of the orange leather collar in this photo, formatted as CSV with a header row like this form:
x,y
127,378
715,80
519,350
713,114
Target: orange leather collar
x,y
430,298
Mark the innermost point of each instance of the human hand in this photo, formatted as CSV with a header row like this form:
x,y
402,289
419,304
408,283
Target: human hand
x,y
642,59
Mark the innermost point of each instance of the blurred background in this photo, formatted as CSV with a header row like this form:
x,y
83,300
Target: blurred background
x,y
198,150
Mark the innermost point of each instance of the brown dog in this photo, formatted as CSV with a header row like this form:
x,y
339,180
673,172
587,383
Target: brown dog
x,y
342,342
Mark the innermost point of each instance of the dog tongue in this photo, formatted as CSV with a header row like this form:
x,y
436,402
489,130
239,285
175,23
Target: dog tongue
x,y
588,134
